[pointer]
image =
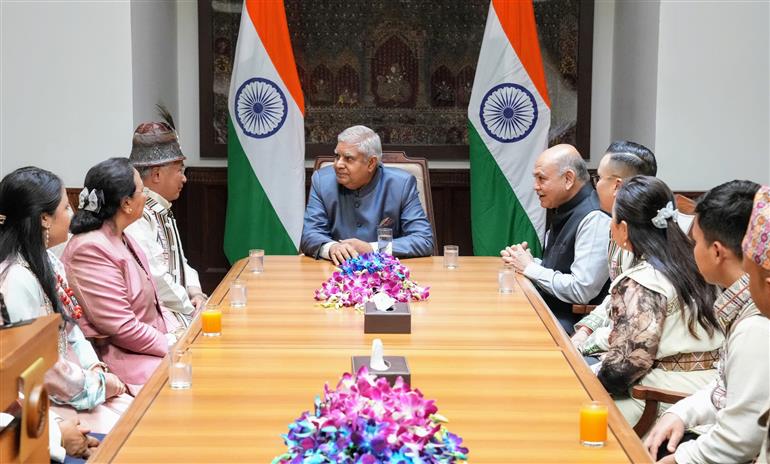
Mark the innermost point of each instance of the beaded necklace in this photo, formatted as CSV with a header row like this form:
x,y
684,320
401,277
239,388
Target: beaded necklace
x,y
67,297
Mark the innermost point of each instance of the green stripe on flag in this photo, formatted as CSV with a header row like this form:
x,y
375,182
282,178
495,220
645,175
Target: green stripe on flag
x,y
251,220
497,217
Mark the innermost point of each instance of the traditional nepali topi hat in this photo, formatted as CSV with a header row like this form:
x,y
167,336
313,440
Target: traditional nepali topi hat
x,y
756,243
155,144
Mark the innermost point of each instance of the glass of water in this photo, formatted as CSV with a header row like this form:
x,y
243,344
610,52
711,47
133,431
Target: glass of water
x,y
385,240
238,294
451,252
256,261
506,279
180,369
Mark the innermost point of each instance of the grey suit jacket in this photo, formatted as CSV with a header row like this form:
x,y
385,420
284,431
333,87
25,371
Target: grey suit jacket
x,y
336,213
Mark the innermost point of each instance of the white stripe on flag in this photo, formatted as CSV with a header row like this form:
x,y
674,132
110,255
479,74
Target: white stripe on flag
x,y
277,160
499,63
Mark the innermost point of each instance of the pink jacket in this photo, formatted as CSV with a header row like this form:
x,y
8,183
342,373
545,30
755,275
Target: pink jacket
x,y
119,302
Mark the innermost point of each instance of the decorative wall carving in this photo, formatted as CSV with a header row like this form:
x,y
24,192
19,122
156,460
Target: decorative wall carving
x,y
405,68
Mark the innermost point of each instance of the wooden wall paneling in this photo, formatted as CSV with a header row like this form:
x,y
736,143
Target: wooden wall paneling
x,y
452,208
200,213
73,195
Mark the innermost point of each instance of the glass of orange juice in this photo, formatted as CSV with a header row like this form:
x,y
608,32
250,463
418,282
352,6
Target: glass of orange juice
x,y
593,424
211,321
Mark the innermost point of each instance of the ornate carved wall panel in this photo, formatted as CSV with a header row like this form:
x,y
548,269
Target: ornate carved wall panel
x,y
403,67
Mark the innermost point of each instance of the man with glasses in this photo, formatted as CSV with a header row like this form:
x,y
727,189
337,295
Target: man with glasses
x,y
351,199
574,265
156,154
622,160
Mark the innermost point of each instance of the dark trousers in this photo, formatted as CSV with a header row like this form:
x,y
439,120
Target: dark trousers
x,y
663,450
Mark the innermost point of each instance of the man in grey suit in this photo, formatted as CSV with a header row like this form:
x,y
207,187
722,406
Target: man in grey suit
x,y
351,199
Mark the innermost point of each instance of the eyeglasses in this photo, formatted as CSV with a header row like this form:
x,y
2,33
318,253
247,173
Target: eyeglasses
x,y
595,179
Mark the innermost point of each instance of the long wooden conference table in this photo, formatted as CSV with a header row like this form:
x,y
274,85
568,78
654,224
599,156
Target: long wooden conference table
x,y
498,365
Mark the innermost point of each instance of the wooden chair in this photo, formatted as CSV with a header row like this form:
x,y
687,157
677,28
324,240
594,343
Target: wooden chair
x,y
582,309
684,204
652,398
26,353
418,167
686,208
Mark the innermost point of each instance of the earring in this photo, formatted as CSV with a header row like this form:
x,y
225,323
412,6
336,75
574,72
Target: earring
x,y
130,210
625,245
46,236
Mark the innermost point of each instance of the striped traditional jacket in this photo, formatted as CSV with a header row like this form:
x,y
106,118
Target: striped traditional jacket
x,y
157,234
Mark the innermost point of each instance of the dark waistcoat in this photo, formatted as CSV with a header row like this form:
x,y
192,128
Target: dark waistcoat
x,y
559,250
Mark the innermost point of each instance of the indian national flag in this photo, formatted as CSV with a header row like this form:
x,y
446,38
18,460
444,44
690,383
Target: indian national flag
x,y
266,137
509,116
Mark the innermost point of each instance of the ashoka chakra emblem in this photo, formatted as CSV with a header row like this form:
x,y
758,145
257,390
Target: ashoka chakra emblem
x,y
260,107
508,112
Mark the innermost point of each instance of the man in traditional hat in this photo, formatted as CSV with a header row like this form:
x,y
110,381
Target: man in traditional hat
x,y
158,158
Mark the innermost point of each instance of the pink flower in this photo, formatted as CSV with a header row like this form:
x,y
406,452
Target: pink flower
x,y
358,279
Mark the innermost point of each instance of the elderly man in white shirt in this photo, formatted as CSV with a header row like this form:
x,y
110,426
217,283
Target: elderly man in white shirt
x,y
574,265
158,158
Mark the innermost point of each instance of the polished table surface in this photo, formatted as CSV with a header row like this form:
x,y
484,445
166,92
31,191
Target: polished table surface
x,y
497,365
464,310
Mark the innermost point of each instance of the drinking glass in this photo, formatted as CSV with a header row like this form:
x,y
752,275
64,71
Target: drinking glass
x,y
256,261
211,321
385,240
180,369
593,424
451,252
506,279
238,294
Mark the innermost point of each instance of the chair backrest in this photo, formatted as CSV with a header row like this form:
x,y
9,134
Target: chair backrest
x,y
418,167
686,209
685,205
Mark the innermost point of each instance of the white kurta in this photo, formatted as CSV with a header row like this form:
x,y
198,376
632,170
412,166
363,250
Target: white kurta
x,y
732,407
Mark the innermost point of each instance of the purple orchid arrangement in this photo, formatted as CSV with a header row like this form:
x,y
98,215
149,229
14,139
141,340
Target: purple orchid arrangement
x,y
366,421
358,279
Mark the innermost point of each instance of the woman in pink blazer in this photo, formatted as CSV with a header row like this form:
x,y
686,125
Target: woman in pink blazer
x,y
108,273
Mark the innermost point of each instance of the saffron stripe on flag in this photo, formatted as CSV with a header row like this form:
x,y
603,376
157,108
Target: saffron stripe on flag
x,y
269,19
509,118
266,137
514,17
